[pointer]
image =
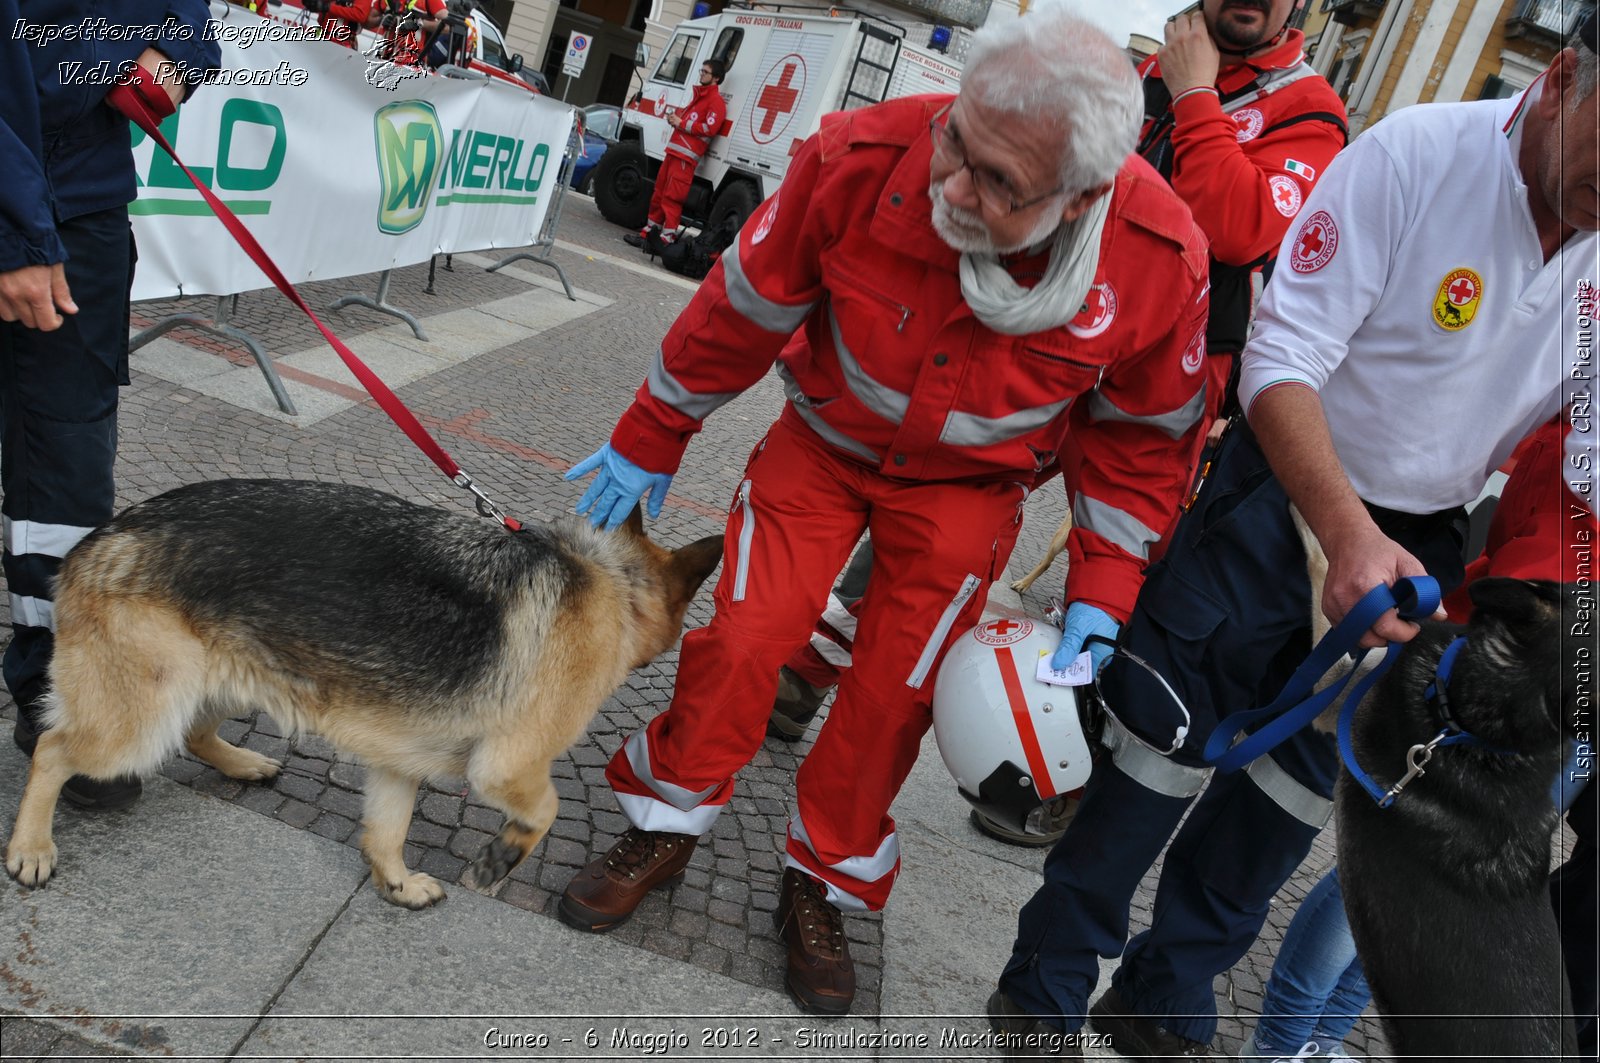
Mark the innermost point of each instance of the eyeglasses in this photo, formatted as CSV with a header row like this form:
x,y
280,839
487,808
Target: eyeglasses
x,y
993,188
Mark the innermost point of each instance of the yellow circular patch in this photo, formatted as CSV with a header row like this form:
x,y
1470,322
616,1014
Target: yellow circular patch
x,y
1457,302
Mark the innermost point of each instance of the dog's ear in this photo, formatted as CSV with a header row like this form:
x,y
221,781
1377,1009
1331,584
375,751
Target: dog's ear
x,y
690,565
1528,608
635,522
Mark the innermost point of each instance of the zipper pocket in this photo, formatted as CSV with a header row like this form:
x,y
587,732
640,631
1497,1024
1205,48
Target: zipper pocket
x,y
747,531
877,296
941,631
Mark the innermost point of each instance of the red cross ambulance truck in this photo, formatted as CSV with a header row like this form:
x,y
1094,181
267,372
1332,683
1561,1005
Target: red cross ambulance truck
x,y
785,71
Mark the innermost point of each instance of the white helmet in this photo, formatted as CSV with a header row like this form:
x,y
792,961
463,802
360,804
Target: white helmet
x,y
1011,741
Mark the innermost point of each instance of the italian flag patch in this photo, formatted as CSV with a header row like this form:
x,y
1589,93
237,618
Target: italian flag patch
x,y
1300,169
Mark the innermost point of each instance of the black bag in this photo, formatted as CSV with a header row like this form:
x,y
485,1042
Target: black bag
x,y
694,256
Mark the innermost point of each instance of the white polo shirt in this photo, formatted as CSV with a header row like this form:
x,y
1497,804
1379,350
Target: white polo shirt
x,y
1413,295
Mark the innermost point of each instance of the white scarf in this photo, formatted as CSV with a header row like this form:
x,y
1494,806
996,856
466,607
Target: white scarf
x,y
1008,307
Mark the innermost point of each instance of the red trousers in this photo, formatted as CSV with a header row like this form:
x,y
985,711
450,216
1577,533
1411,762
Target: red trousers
x,y
673,182
796,516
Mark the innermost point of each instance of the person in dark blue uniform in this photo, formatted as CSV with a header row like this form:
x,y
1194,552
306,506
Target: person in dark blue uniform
x,y
66,268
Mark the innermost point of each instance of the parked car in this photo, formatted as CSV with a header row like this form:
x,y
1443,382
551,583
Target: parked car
x,y
600,124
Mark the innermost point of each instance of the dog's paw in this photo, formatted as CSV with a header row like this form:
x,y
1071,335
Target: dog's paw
x,y
1020,585
30,867
413,891
492,864
256,767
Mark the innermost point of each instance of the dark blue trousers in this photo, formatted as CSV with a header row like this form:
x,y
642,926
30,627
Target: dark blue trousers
x,y
1225,617
58,416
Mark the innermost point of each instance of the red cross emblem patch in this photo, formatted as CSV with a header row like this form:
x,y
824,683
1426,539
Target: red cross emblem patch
x,y
774,104
1098,311
1250,122
1315,243
1285,194
1003,632
1456,303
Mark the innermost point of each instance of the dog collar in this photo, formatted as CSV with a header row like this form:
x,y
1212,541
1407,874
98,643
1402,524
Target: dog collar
x,y
1450,733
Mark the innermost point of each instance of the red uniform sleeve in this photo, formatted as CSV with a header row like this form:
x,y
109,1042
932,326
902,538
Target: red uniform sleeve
x,y
1540,530
710,120
1136,437
759,292
1229,185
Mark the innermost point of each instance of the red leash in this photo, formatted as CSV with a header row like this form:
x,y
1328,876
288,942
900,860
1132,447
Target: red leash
x,y
145,103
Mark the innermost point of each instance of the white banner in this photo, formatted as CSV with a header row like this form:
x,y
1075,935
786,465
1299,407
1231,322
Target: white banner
x,y
336,175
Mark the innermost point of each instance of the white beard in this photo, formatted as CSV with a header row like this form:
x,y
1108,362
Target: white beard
x,y
964,230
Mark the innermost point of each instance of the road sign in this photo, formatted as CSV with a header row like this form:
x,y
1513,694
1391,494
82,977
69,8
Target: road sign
x,y
577,52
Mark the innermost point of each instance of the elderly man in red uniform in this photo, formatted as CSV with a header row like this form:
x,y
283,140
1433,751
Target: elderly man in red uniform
x,y
930,257
693,126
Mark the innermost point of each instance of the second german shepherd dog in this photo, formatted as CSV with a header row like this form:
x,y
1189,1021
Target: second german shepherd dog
x,y
423,642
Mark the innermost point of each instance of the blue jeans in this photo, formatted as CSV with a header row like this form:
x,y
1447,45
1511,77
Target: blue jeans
x,y
1317,991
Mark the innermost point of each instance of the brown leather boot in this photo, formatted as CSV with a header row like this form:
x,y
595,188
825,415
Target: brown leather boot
x,y
602,895
821,977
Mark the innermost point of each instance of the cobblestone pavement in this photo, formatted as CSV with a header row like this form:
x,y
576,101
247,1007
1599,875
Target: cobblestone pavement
x,y
516,418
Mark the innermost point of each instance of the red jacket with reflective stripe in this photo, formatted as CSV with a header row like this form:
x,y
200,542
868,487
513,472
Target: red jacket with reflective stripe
x,y
890,366
702,120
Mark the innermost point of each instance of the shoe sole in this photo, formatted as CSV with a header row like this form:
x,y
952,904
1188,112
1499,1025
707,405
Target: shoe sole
x,y
1000,834
1123,1039
817,1005
579,918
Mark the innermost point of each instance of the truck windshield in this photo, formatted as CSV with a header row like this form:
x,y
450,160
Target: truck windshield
x,y
677,62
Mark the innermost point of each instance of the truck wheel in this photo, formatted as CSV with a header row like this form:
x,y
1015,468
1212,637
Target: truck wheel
x,y
621,189
736,202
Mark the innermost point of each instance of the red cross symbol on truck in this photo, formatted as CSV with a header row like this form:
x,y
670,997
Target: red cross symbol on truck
x,y
777,98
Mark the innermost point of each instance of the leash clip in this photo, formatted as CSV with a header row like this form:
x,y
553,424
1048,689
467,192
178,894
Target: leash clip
x,y
1417,758
483,503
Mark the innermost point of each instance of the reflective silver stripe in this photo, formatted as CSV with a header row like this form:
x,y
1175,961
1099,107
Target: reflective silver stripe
x,y
747,532
1147,767
50,540
1275,80
831,651
1308,806
1174,423
1113,524
638,750
941,631
971,430
33,612
838,617
647,813
664,386
865,869
884,401
755,307
833,435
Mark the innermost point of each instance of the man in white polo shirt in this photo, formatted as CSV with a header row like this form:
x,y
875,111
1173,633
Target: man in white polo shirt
x,y
1422,320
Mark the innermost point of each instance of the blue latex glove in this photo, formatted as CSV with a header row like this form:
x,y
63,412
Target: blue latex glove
x,y
1083,620
620,484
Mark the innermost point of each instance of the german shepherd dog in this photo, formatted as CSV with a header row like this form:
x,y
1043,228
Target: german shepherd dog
x,y
1447,888
423,642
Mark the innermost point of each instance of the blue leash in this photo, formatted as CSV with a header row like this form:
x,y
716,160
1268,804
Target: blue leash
x,y
1297,705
